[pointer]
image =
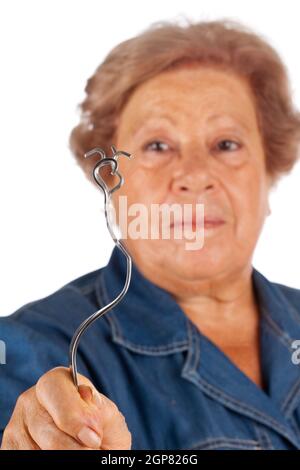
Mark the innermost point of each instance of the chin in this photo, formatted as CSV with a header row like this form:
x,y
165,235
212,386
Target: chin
x,y
204,262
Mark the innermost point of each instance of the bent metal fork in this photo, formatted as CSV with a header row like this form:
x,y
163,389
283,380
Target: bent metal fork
x,y
113,162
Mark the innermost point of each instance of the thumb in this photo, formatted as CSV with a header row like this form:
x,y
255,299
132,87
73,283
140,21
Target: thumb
x,y
91,397
86,393
115,434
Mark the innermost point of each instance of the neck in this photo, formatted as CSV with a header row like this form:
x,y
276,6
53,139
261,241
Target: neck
x,y
227,311
223,303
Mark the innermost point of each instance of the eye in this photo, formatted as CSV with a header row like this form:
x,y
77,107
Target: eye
x,y
156,146
227,145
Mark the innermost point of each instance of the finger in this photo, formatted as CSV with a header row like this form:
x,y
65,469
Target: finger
x,y
20,441
86,393
16,436
45,433
115,431
116,435
74,416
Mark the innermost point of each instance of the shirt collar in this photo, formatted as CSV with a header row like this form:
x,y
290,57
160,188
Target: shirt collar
x,y
149,320
279,306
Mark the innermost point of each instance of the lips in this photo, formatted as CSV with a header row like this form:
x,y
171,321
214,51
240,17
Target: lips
x,y
209,222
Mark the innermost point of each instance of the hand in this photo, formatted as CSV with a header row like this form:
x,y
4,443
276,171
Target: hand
x,y
53,414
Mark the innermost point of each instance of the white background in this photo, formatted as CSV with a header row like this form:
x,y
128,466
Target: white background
x,y
52,225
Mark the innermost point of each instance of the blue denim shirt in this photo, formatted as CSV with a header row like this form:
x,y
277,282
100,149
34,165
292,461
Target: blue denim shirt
x,y
176,389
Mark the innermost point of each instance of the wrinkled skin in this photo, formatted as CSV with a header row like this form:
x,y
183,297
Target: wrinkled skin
x,y
195,139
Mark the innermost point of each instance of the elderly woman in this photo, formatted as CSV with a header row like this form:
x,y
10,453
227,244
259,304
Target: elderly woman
x,y
198,355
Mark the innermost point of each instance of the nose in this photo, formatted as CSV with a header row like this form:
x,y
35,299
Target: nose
x,y
193,177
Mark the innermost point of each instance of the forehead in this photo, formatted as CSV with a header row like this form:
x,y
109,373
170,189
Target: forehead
x,y
191,93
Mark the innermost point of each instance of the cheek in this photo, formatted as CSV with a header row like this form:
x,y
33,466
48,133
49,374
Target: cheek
x,y
145,187
141,190
249,202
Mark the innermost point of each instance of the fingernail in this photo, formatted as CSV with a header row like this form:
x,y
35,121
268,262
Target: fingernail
x,y
89,438
85,392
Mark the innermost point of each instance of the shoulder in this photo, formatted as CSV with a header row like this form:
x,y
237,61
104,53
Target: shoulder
x,y
67,305
290,295
37,336
276,294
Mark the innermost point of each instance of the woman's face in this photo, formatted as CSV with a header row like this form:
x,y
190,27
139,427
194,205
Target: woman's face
x,y
194,138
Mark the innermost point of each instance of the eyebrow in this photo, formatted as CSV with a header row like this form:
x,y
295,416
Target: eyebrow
x,y
165,117
231,117
148,118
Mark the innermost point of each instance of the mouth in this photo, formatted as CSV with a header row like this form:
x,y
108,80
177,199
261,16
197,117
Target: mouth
x,y
208,223
212,223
